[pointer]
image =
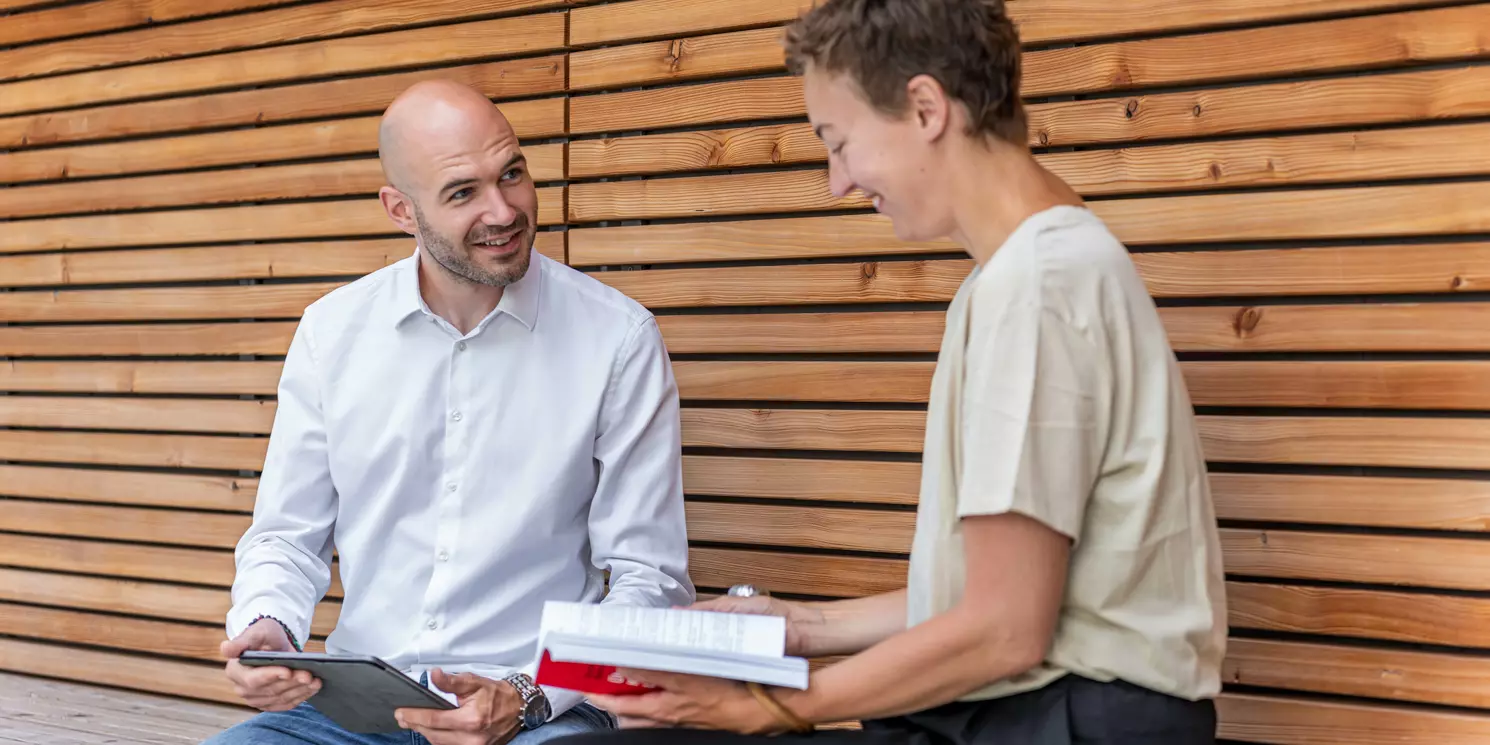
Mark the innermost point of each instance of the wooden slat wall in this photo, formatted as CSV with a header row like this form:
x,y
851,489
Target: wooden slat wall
x,y
1304,185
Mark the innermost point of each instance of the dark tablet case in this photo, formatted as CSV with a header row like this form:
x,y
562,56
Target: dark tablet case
x,y
359,693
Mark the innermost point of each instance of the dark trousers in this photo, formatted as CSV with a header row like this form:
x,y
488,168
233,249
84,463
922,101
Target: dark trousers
x,y
1070,711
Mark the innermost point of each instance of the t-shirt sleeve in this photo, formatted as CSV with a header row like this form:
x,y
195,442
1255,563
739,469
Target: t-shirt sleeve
x,y
1029,427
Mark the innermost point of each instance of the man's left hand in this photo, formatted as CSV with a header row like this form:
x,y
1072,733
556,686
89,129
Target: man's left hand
x,y
488,713
690,701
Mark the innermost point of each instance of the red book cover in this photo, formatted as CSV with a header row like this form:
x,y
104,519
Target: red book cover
x,y
587,678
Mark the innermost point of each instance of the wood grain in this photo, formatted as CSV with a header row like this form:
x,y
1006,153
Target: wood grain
x,y
885,431
1340,383
1067,20
139,635
1352,270
906,382
1412,617
801,527
169,527
167,451
699,150
1400,327
156,599
270,337
364,95
138,672
837,576
145,414
878,482
1444,563
1399,675
736,53
268,26
1378,501
111,15
287,221
706,196
148,377
870,282
244,261
685,105
1283,721
182,303
357,54
361,177
145,489
788,333
1354,441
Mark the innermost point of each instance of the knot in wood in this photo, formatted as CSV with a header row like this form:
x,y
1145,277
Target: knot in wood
x,y
1197,109
869,269
1131,109
1216,171
674,58
1457,283
1247,320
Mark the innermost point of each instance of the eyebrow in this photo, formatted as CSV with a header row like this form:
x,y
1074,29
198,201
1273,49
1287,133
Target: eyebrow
x,y
457,183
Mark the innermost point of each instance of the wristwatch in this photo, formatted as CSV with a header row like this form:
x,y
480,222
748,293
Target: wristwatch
x,y
535,709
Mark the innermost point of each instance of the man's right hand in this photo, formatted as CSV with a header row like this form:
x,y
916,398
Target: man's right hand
x,y
267,688
800,619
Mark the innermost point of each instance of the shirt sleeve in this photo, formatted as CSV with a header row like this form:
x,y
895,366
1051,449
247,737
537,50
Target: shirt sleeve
x,y
637,525
284,560
1030,436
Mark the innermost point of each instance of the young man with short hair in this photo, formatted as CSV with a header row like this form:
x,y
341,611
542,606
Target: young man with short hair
x,y
1065,582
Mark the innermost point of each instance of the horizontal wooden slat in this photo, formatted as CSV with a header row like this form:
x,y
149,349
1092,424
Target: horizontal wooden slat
x,y
885,431
357,54
1424,152
685,105
1354,270
135,634
736,53
1379,502
268,222
1457,680
141,377
803,381
366,95
338,137
1067,20
1449,563
139,672
269,26
166,303
147,414
1350,441
130,487
1413,617
172,451
251,261
781,238
1341,383
706,196
123,523
155,563
783,333
871,282
154,340
111,15
1404,327
838,576
778,478
801,527
255,184
1287,721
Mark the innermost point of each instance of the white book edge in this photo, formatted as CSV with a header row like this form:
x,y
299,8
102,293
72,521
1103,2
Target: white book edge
x,y
788,672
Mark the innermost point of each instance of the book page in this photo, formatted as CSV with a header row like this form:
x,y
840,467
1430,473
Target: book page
x,y
763,636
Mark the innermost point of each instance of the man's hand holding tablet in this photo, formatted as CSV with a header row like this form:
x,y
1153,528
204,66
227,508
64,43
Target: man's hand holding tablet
x,y
267,688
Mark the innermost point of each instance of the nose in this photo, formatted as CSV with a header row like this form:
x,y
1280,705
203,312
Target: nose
x,y
499,212
838,179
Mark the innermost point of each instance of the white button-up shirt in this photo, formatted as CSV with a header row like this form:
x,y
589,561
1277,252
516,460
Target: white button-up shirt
x,y
464,480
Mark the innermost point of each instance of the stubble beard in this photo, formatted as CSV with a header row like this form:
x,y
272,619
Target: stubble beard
x,y
457,262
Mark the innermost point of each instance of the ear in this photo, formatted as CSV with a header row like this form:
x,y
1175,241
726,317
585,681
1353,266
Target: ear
x,y
400,209
929,106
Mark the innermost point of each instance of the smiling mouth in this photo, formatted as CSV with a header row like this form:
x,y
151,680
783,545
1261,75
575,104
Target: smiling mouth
x,y
499,242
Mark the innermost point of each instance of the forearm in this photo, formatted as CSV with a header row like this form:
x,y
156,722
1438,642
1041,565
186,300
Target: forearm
x,y
931,664
852,626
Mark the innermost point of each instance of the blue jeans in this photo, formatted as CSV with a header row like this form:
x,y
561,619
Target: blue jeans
x,y
304,725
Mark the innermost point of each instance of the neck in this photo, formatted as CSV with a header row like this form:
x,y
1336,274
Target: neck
x,y
995,189
458,300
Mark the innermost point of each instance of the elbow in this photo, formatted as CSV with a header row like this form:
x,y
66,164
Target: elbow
x,y
1012,649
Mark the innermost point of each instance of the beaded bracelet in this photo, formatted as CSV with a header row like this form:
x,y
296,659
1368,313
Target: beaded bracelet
x,y
282,625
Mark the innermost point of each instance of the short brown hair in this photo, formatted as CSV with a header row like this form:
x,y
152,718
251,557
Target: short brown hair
x,y
969,46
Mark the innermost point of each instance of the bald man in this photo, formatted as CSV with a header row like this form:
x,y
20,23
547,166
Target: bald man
x,y
474,430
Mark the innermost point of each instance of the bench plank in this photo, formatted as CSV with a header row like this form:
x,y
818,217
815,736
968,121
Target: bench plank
x,y
222,493
142,414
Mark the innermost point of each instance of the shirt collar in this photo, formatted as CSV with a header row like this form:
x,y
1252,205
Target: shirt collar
x,y
519,300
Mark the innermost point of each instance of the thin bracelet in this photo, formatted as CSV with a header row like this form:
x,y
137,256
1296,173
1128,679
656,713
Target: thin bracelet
x,y
782,714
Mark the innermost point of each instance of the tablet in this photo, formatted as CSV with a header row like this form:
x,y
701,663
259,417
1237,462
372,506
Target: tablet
x,y
358,692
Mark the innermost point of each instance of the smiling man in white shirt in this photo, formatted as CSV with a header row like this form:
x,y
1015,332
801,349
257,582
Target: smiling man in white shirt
x,y
475,430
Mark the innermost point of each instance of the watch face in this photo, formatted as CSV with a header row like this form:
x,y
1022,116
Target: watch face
x,y
535,713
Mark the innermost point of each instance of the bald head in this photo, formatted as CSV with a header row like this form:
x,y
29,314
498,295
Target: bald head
x,y
427,122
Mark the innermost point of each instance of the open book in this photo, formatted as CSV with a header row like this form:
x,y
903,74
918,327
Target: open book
x,y
582,645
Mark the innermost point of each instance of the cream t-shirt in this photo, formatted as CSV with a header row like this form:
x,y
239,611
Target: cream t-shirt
x,y
1057,396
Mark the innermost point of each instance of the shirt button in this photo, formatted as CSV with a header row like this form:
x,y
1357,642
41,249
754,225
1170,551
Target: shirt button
x,y
456,416
432,624
443,555
450,487
460,345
